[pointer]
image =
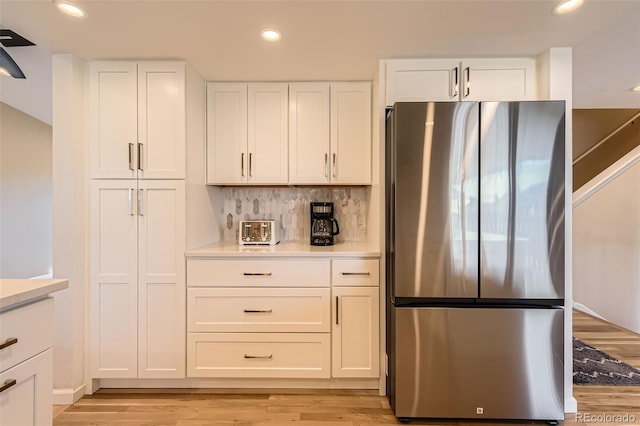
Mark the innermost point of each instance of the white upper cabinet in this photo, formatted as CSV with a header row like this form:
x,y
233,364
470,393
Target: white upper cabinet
x,y
114,119
330,133
137,125
500,79
268,150
410,80
247,133
351,133
226,133
309,133
503,79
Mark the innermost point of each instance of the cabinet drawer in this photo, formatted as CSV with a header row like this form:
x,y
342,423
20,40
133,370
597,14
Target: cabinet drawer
x,y
27,398
258,273
258,310
352,272
258,355
30,327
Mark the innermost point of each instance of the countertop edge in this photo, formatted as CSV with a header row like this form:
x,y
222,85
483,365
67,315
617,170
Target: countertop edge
x,y
285,249
14,293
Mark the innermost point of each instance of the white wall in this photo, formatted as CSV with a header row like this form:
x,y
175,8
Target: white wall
x,y
607,249
70,213
31,95
25,195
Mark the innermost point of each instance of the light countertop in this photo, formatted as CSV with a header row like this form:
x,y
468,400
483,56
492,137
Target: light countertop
x,y
20,291
284,249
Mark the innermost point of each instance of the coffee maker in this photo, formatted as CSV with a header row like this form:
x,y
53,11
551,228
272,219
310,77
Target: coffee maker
x,y
323,224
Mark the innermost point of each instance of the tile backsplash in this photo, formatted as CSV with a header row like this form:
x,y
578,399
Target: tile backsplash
x,y
291,206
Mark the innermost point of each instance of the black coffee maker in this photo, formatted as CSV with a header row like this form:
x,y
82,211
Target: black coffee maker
x,y
323,225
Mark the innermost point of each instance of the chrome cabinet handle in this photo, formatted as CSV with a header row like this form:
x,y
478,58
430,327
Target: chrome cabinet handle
x,y
250,165
140,195
258,311
242,164
9,342
258,356
131,201
337,310
131,157
140,152
256,274
7,384
467,83
355,273
334,165
453,88
326,165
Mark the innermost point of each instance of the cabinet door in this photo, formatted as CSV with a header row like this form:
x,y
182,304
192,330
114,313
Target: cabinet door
x,y
506,79
309,133
355,333
161,120
422,80
113,121
114,290
28,400
351,133
161,279
226,133
268,133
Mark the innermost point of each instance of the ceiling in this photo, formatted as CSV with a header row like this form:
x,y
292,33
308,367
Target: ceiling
x,y
322,40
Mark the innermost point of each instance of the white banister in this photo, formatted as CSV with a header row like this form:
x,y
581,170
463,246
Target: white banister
x,y
606,176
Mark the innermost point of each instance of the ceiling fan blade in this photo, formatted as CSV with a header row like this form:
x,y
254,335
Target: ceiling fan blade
x,y
10,65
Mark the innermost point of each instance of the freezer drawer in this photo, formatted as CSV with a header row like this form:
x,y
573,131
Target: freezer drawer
x,y
482,363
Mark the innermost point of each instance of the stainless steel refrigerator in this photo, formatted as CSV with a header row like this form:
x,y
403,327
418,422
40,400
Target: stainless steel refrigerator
x,y
475,259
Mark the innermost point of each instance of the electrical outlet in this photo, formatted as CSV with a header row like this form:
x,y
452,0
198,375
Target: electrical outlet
x,y
479,410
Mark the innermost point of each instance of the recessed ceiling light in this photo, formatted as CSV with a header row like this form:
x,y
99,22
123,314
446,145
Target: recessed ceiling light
x,y
271,34
566,6
69,8
636,89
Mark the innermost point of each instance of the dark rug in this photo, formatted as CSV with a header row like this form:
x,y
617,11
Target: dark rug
x,y
594,367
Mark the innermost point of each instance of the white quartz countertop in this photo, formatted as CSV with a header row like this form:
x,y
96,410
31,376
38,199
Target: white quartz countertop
x,y
284,249
20,291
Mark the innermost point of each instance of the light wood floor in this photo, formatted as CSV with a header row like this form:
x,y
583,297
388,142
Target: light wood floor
x,y
337,408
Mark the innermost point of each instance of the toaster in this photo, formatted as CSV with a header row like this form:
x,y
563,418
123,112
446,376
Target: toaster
x,y
259,232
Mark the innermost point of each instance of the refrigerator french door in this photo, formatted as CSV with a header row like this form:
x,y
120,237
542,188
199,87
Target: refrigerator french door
x,y
475,259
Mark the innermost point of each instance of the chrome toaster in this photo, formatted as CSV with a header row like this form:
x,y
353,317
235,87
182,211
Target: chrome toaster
x,y
262,232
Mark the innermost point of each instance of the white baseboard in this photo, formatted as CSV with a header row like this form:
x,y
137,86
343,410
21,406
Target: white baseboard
x,y
583,308
239,383
571,405
67,396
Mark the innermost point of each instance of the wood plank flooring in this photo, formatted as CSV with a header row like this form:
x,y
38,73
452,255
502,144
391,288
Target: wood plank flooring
x,y
199,407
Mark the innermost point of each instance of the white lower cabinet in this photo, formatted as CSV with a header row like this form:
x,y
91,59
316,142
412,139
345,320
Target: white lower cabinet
x,y
25,398
259,355
26,364
258,310
261,325
138,279
355,332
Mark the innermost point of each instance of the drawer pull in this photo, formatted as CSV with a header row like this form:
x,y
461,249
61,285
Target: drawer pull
x,y
8,384
355,273
256,274
258,356
258,311
10,341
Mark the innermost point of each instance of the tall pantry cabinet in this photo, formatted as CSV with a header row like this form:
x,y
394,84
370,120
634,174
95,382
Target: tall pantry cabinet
x,y
138,224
